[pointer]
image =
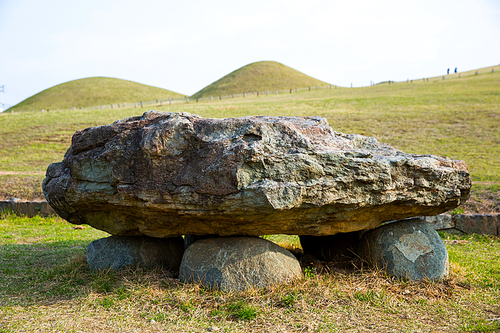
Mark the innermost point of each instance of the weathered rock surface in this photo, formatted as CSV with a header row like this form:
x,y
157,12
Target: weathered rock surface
x,y
168,174
118,252
440,222
409,249
238,263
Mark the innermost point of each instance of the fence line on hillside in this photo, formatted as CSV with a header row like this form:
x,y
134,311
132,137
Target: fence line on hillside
x,y
187,99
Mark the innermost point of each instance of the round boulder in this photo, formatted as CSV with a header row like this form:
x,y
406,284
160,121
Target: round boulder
x,y
408,249
238,263
118,252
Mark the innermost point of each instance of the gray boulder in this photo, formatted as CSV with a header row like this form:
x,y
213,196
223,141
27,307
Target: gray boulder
x,y
238,263
440,222
478,224
118,252
409,249
171,174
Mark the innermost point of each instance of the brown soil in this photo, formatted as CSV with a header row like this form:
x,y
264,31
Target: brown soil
x,y
24,186
483,200
20,173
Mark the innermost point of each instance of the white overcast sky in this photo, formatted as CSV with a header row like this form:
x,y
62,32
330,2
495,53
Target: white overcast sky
x,y
186,45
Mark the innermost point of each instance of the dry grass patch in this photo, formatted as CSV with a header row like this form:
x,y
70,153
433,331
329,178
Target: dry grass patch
x,y
484,199
151,301
25,187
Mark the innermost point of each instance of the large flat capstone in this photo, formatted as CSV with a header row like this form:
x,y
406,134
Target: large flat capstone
x,y
168,174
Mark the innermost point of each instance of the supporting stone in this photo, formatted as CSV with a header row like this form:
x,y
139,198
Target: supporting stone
x,y
478,224
409,249
27,208
238,263
118,252
440,222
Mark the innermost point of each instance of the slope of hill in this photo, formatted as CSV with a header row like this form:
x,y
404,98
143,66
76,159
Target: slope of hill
x,y
258,76
92,91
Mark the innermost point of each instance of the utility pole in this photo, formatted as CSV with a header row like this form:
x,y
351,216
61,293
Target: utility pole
x,y
2,89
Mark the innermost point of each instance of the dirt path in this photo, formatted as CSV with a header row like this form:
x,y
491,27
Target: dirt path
x,y
21,173
486,183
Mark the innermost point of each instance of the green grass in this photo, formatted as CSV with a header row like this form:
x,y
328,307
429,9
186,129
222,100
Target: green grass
x,y
34,252
90,92
47,286
480,265
259,77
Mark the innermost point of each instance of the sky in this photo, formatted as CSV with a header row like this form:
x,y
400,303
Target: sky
x,y
185,45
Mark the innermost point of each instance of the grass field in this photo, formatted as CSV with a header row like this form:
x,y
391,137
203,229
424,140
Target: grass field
x,y
92,91
47,287
455,117
46,284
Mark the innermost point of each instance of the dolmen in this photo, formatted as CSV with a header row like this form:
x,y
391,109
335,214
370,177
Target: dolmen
x,y
224,182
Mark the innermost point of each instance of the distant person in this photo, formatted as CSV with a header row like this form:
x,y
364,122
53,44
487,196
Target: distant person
x,y
448,71
455,69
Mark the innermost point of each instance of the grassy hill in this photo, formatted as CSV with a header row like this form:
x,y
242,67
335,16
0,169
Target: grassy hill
x,y
258,76
92,91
